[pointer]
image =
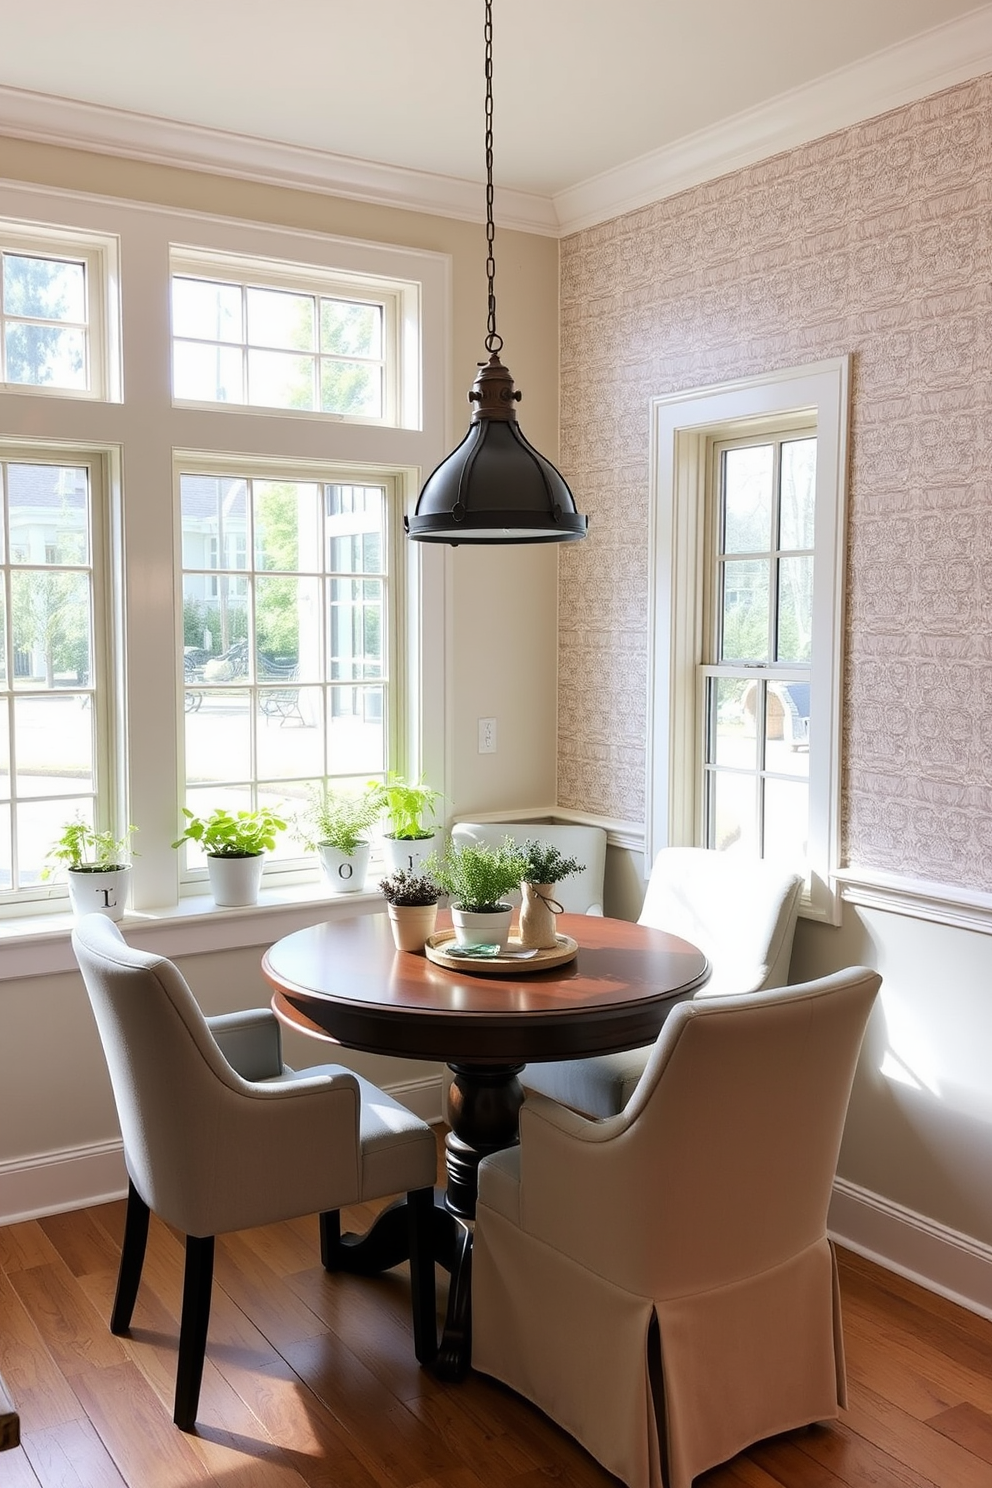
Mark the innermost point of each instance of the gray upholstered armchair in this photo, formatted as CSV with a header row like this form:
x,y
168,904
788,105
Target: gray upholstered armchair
x,y
220,1135
661,1283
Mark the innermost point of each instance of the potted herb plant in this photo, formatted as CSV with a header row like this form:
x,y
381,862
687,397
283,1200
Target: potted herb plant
x,y
411,899
235,843
546,865
335,824
408,808
97,865
477,877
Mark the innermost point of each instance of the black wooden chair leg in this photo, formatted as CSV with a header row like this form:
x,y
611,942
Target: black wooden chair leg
x,y
330,1239
423,1282
197,1282
132,1260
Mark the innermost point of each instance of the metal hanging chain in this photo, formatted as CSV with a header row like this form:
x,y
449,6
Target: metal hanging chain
x,y
494,341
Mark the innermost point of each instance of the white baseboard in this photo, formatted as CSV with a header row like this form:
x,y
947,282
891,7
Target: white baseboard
x,y
936,1257
52,1182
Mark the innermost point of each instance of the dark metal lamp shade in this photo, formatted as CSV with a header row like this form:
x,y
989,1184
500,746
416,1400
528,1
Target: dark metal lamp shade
x,y
495,487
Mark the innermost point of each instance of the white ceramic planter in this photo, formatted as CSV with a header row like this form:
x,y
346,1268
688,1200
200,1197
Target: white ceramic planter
x,y
473,928
407,853
100,893
235,881
345,873
411,924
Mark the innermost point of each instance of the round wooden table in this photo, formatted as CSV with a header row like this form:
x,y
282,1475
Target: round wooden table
x,y
345,980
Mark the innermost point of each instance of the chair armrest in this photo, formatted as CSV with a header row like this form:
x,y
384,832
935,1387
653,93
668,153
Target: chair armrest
x,y
250,1041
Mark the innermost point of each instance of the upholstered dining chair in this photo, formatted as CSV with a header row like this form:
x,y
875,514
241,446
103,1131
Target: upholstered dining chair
x,y
661,1283
740,911
220,1135
580,893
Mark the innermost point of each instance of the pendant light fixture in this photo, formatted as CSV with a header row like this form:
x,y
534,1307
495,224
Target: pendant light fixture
x,y
495,487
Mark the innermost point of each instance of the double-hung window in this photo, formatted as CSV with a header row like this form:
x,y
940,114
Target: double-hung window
x,y
291,593
747,594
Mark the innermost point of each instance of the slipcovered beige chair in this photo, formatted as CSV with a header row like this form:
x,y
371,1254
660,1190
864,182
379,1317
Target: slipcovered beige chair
x,y
740,911
220,1135
661,1284
580,893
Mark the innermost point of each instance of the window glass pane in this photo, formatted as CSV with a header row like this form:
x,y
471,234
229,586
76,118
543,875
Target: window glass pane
x,y
795,609
49,513
45,356
215,628
744,611
50,628
349,329
787,728
732,811
44,288
747,499
206,373
786,826
53,737
280,319
287,531
290,732
38,824
215,523
350,387
218,739
6,842
206,310
355,517
798,493
4,749
356,739
732,732
355,619
285,609
278,379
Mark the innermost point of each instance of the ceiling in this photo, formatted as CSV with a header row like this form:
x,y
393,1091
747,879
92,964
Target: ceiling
x,y
582,87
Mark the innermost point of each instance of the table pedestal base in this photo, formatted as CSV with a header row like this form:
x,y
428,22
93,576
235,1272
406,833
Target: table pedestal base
x,y
483,1109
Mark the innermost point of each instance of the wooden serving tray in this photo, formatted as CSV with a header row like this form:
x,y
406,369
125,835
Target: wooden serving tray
x,y
436,949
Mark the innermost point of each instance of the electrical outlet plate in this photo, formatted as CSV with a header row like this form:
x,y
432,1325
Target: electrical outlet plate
x,y
487,736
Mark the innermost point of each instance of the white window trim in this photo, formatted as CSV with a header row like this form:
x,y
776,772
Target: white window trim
x,y
101,254
683,425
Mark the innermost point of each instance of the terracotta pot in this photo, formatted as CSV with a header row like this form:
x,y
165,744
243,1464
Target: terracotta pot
x,y
411,924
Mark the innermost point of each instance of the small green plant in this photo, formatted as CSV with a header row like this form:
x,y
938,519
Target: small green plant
x,y
338,818
237,834
403,887
82,849
477,876
547,864
407,807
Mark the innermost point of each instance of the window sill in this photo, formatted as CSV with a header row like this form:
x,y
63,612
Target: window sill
x,y
40,945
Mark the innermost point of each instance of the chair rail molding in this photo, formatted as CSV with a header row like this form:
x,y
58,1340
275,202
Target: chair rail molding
x,y
943,904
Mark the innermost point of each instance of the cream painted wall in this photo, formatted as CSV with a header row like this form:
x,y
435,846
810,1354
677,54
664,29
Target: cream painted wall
x,y
501,644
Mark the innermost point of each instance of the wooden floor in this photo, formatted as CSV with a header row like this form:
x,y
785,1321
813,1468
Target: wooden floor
x,y
310,1379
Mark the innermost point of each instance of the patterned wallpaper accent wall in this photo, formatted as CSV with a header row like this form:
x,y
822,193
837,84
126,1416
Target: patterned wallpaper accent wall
x,y
875,241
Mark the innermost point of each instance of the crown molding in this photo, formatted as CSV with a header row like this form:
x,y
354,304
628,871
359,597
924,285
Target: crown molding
x,y
940,58
76,125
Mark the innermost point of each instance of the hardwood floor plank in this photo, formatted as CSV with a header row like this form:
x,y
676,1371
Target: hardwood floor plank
x,y
138,1434
25,1245
968,1426
261,1293
72,1456
70,1327
912,1443
16,1470
43,1397
81,1241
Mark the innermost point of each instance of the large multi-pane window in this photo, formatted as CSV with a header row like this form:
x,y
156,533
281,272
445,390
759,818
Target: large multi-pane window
x,y
273,337
50,756
288,619
758,646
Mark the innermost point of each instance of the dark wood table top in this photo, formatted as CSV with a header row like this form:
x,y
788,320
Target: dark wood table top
x,y
344,979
